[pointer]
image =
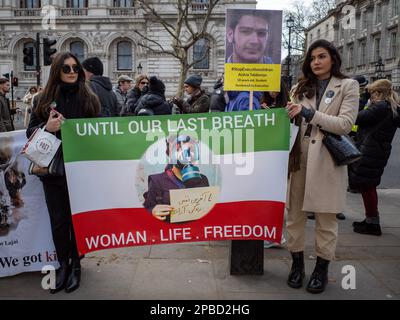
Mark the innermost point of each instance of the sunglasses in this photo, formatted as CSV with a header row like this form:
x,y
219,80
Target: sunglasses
x,y
144,82
67,68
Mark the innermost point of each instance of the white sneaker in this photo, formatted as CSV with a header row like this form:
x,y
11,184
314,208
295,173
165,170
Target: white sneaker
x,y
270,244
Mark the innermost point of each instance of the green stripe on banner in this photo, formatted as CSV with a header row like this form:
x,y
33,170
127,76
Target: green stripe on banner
x,y
127,138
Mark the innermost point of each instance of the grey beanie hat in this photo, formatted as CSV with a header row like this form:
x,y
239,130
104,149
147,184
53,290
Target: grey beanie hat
x,y
194,80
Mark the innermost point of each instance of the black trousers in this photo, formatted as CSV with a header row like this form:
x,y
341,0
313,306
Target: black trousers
x,y
57,200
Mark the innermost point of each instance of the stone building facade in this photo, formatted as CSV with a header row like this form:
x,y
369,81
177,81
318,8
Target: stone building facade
x,y
104,28
365,31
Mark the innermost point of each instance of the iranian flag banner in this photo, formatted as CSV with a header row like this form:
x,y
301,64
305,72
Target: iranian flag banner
x,y
178,178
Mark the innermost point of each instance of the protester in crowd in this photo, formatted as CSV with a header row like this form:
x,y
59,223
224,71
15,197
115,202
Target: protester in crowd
x,y
6,122
324,99
198,100
240,100
141,87
376,129
218,99
121,91
27,100
66,96
101,86
273,99
364,94
153,102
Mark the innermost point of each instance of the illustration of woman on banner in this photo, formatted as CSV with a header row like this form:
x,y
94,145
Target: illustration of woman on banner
x,y
181,172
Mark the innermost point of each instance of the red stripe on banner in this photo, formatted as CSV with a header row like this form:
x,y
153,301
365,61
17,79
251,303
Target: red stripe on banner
x,y
114,228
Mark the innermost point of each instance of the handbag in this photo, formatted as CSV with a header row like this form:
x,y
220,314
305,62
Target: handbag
x,y
41,147
55,168
341,148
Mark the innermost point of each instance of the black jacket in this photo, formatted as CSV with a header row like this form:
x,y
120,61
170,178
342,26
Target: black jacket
x,y
155,102
375,134
217,100
6,122
102,87
133,98
69,106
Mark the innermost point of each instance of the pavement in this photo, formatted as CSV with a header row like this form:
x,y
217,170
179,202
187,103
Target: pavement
x,y
200,270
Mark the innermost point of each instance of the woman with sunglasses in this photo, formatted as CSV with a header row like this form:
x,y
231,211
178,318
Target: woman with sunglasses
x,y
140,89
66,96
323,100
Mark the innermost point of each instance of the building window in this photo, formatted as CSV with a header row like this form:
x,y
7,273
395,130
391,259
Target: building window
x,y
395,7
364,20
30,4
378,16
363,52
77,4
124,55
377,48
319,33
311,38
393,44
123,3
340,51
351,57
326,30
31,45
200,51
78,49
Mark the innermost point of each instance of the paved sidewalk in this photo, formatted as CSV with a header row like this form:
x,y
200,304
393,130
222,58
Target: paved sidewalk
x,y
201,270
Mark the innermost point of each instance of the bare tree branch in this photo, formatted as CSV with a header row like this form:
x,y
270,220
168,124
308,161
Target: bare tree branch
x,y
153,13
180,26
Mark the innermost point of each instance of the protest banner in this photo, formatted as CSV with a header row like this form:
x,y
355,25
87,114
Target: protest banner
x,y
26,243
124,174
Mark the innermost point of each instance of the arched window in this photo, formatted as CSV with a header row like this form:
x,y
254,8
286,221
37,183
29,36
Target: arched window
x,y
77,48
200,51
124,55
123,3
31,45
30,4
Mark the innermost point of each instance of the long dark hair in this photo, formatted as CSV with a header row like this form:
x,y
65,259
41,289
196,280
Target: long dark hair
x,y
281,99
307,83
89,101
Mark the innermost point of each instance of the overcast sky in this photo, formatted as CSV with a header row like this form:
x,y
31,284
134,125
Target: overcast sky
x,y
277,5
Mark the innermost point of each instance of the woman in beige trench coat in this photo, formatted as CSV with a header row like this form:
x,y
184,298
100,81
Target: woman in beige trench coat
x,y
324,99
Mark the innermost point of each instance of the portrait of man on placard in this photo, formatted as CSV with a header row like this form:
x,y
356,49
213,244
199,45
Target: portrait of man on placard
x,y
253,36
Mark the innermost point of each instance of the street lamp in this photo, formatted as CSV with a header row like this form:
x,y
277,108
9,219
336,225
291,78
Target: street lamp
x,y
290,25
139,68
379,69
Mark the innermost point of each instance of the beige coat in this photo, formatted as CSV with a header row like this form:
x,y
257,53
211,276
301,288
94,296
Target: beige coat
x,y
326,183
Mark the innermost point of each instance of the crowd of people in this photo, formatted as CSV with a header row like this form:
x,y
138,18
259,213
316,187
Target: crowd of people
x,y
324,99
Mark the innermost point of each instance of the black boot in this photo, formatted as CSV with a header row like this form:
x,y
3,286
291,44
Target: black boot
x,y
340,216
74,277
296,275
367,228
61,277
359,223
319,277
